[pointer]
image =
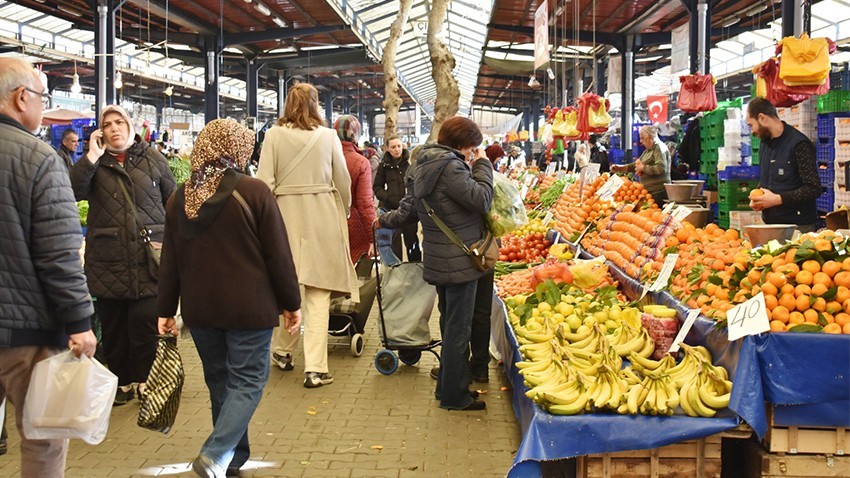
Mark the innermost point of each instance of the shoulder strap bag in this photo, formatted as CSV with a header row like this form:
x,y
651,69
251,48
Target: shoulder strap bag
x,y
153,248
483,253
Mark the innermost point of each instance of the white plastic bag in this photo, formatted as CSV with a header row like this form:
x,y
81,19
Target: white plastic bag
x,y
69,397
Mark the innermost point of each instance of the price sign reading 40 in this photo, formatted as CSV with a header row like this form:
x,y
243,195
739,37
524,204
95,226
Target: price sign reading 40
x,y
749,318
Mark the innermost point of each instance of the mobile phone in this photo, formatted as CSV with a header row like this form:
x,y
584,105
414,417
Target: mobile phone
x,y
100,140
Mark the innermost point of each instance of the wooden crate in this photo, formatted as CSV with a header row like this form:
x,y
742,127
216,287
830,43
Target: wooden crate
x,y
693,459
759,463
794,439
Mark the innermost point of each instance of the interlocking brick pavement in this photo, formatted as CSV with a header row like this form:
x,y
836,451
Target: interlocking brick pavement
x,y
355,416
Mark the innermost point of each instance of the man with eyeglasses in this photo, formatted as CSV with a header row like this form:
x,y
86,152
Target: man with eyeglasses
x,y
68,148
46,303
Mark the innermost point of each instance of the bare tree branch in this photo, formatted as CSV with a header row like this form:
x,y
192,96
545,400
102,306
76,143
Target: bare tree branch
x,y
392,100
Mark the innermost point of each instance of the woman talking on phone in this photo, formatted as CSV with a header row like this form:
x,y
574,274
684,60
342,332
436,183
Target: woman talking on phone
x,y
127,183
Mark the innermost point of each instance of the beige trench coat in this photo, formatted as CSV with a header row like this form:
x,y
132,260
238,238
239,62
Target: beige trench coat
x,y
314,197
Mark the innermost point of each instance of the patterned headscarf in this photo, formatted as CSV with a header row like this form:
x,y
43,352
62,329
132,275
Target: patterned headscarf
x,y
221,145
347,128
131,133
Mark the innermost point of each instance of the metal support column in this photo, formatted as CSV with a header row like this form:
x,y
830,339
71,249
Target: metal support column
x,y
329,107
628,88
104,42
792,18
281,93
418,121
252,86
159,109
370,119
602,76
699,28
211,76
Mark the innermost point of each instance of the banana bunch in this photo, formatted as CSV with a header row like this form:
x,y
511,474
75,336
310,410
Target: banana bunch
x,y
628,374
570,398
584,339
626,339
534,331
586,363
706,392
655,395
687,368
608,390
542,375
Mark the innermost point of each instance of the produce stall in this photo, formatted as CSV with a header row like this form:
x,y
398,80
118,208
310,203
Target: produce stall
x,y
782,380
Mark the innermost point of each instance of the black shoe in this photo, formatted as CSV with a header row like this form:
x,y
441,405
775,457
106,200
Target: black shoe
x,y
483,378
283,362
122,397
435,373
3,446
474,406
472,393
232,471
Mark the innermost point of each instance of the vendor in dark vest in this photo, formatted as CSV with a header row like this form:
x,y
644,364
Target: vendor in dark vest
x,y
789,170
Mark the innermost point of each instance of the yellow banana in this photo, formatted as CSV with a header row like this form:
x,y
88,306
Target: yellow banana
x,y
534,364
539,338
574,408
699,407
644,364
633,345
672,395
660,397
648,346
684,401
717,402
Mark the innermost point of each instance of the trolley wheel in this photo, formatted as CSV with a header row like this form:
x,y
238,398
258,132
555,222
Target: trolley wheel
x,y
386,362
357,345
410,357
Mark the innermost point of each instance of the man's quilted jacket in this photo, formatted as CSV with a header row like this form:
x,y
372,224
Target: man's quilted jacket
x,y
43,292
116,259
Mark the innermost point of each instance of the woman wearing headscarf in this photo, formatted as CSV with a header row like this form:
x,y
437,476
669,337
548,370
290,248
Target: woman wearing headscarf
x,y
303,164
116,259
224,230
362,204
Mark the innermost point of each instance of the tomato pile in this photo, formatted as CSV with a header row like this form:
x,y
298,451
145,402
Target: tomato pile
x,y
533,247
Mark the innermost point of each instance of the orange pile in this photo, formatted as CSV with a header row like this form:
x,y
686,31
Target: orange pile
x,y
632,191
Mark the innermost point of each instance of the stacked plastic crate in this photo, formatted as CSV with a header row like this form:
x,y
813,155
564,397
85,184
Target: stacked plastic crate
x,y
712,138
79,126
730,153
833,148
733,193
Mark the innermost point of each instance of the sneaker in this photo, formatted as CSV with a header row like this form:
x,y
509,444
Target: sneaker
x,y
316,379
283,362
123,396
232,471
205,468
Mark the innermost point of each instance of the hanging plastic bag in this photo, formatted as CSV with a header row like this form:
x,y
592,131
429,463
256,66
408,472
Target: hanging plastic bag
x,y
805,61
571,122
782,87
697,93
512,136
523,135
761,83
69,397
507,213
161,399
559,126
593,114
768,70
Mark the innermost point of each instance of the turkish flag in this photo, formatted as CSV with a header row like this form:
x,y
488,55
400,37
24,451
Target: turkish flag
x,y
657,108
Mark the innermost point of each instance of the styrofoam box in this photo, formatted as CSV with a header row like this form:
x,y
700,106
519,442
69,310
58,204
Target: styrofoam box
x,y
842,129
741,219
723,164
732,142
842,198
732,126
734,114
842,151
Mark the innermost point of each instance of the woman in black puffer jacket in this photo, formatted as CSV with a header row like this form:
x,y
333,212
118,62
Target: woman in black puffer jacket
x,y
459,195
116,262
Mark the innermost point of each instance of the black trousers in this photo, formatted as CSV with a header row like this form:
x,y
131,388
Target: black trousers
x,y
411,243
129,337
479,340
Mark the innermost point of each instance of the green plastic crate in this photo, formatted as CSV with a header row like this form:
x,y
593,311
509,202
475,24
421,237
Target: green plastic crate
x,y
735,194
723,219
834,102
711,143
755,143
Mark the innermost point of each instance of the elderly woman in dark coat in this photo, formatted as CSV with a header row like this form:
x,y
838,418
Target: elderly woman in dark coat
x,y
459,195
226,256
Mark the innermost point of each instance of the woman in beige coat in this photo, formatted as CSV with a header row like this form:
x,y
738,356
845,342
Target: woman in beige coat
x,y
303,164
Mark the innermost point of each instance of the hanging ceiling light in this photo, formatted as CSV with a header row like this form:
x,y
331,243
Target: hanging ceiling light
x,y
280,22
118,83
262,9
75,82
169,91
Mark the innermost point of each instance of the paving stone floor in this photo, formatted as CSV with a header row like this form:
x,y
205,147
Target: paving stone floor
x,y
363,425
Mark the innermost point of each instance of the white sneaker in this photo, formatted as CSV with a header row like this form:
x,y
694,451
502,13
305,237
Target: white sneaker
x,y
283,362
315,379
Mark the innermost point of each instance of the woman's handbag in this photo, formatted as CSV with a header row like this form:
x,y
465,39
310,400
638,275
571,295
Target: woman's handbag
x,y
697,93
153,249
161,398
483,253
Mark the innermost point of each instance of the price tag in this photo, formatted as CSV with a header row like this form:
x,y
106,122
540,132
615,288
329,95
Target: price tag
x,y
610,188
548,218
591,171
668,207
557,237
580,237
529,179
749,318
666,270
534,183
683,332
681,213
578,251
560,174
564,188
524,191
550,168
